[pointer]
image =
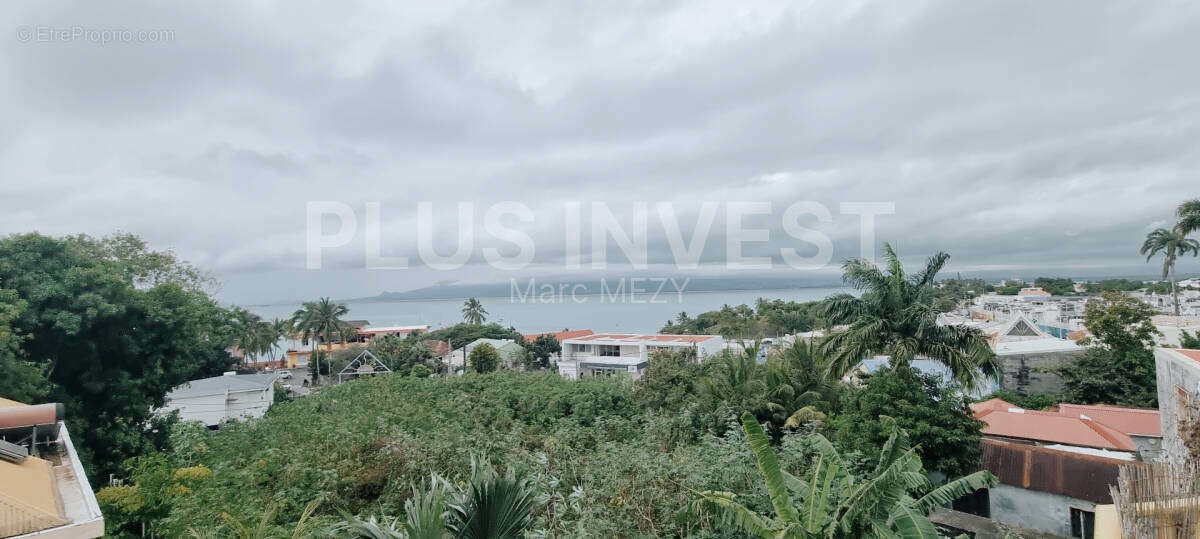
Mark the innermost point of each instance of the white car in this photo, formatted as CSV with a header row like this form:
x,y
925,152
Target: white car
x,y
285,375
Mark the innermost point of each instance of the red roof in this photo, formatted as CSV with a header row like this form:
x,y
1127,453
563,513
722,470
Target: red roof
x,y
573,334
1194,354
1053,427
991,404
1131,421
440,348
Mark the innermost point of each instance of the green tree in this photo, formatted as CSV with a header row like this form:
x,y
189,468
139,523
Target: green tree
x,y
540,350
321,320
473,312
1171,244
894,500
1190,341
1119,369
937,418
23,381
401,354
1058,286
147,497
484,358
1189,216
896,316
110,346
669,381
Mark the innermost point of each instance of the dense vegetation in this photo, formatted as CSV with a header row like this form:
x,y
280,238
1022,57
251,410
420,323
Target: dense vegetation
x,y
768,318
106,327
606,456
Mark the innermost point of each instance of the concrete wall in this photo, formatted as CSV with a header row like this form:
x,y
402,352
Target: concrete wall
x,y
1036,372
1175,373
1041,511
1149,448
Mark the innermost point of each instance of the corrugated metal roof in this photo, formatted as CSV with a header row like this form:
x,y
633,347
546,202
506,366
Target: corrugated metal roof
x,y
220,384
1131,421
1084,477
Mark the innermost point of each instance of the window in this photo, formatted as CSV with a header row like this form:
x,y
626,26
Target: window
x,y
1083,523
608,350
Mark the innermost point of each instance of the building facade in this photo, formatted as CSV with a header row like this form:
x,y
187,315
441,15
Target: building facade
x,y
1178,377
606,354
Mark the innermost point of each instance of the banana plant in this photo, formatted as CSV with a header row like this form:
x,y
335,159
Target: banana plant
x,y
832,503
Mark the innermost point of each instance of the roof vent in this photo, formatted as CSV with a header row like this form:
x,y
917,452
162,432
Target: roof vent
x,y
1016,410
12,452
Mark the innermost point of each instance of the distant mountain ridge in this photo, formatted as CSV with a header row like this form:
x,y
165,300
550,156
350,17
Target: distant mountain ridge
x,y
649,283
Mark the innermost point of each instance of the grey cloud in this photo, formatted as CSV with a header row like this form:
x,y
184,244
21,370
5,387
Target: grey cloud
x,y
995,127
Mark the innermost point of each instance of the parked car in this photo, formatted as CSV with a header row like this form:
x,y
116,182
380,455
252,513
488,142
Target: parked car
x,y
286,375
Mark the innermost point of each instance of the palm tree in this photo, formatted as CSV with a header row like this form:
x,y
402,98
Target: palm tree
x,y
473,312
896,316
321,319
247,335
489,506
797,386
831,502
1172,244
1189,217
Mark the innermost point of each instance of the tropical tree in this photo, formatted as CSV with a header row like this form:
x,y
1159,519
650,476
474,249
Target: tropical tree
x,y
321,320
896,316
1171,243
797,387
250,334
484,358
473,312
895,500
1189,217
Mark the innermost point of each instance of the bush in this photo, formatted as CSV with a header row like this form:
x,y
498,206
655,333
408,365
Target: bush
x,y
936,417
484,358
610,467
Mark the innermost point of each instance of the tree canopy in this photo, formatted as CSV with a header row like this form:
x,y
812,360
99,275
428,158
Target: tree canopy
x,y
110,328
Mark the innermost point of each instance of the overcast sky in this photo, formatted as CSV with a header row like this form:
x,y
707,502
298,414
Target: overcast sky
x,y
1017,136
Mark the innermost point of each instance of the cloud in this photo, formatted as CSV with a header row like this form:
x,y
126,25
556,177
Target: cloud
x,y
1019,134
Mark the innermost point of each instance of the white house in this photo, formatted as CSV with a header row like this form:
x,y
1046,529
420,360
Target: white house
x,y
216,400
604,354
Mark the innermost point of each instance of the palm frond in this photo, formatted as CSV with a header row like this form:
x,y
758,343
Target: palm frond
x,y
769,468
955,489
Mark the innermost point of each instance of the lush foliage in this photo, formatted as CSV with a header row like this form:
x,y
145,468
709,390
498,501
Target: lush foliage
x,y
486,505
1189,340
936,417
1119,369
893,500
952,293
484,358
1058,286
896,317
108,328
462,334
602,464
768,318
539,351
1034,401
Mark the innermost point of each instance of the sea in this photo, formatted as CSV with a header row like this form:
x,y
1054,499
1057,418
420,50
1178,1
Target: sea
x,y
645,312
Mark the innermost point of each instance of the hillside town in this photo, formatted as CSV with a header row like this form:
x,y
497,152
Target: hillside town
x,y
575,270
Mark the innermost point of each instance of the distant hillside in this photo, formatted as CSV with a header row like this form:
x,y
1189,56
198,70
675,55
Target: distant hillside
x,y
593,286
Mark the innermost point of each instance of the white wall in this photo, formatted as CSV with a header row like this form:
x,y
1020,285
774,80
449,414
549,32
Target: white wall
x,y
1036,510
215,409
